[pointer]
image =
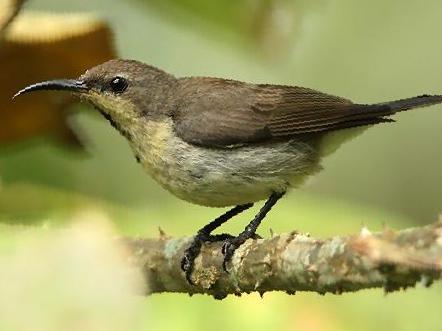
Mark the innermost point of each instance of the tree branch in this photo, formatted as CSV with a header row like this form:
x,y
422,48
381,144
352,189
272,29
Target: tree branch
x,y
295,262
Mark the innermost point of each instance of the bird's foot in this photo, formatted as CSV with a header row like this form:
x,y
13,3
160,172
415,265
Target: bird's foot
x,y
230,245
191,253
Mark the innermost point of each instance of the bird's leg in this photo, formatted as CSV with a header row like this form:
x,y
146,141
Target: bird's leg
x,y
204,235
232,243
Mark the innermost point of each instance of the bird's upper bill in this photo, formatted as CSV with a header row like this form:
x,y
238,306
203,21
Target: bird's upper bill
x,y
59,84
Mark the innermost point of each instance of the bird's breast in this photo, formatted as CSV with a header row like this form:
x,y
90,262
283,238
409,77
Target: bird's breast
x,y
219,177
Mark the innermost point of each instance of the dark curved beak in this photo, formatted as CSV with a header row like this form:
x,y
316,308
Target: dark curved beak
x,y
59,84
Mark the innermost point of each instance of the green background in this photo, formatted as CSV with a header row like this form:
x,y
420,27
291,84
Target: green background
x,y
368,51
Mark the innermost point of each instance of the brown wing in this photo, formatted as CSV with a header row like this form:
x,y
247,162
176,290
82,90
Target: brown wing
x,y
220,113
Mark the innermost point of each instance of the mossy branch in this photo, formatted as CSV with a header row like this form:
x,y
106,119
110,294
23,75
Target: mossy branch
x,y
295,262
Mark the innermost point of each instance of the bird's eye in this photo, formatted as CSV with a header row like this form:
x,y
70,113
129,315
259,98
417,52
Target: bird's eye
x,y
118,84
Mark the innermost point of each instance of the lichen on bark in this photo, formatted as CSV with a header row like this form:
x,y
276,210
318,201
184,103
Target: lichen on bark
x,y
296,262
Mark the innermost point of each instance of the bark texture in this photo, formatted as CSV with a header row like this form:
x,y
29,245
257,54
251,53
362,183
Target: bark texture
x,y
295,262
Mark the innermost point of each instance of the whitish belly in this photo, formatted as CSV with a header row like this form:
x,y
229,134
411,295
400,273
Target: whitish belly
x,y
225,177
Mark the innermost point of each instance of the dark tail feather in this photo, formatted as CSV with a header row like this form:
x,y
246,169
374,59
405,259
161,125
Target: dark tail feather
x,y
352,116
410,103
380,112
362,115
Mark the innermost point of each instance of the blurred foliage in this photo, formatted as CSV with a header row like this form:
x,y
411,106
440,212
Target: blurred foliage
x,y
366,51
37,47
71,279
269,26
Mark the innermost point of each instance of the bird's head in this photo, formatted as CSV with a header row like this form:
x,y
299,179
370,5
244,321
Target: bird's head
x,y
122,90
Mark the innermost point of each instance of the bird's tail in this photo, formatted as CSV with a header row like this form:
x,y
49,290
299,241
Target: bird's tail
x,y
410,103
364,115
361,115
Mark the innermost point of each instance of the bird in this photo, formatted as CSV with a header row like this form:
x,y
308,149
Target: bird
x,y
224,143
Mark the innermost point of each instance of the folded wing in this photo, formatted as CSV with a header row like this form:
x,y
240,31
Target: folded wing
x,y
224,113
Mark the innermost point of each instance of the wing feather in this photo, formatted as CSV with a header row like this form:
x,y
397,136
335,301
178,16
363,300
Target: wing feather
x,y
215,112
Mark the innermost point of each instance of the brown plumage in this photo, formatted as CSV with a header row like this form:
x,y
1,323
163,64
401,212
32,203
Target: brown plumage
x,y
219,113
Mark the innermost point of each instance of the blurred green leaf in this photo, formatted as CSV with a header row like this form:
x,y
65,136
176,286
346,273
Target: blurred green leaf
x,y
270,26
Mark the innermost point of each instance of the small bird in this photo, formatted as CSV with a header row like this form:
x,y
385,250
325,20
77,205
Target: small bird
x,y
219,142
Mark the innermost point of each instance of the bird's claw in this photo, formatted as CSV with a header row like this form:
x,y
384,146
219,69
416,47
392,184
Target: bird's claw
x,y
192,252
230,245
187,265
228,249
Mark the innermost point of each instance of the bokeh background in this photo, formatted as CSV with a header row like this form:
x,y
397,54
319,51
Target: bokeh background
x,y
368,51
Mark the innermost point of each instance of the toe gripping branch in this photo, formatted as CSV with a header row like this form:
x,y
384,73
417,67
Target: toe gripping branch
x,y
231,243
204,235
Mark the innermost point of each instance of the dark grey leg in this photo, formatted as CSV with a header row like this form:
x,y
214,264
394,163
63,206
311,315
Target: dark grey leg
x,y
203,235
231,244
